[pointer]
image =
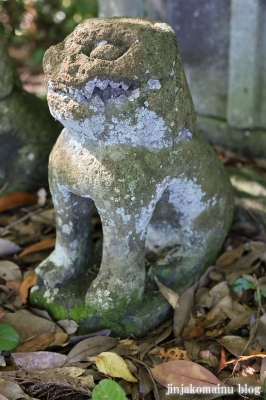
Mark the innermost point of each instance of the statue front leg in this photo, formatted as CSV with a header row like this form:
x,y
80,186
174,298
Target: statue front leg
x,y
73,237
121,279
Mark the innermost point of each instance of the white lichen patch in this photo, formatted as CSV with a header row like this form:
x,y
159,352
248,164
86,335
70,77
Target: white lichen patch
x,y
101,299
154,84
66,229
143,219
34,288
60,266
148,131
125,217
163,236
50,295
134,95
163,26
173,70
184,135
74,245
187,198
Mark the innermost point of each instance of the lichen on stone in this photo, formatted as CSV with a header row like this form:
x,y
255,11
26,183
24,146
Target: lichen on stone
x,y
131,149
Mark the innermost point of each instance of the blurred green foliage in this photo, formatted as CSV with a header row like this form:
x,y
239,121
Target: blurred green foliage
x,y
38,24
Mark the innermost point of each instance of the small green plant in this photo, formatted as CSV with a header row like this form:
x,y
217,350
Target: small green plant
x,y
9,339
248,282
108,390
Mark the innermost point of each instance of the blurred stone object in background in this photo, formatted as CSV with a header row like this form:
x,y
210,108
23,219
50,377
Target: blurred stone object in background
x,y
27,132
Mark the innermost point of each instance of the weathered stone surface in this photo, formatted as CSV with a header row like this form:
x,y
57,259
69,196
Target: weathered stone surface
x,y
27,131
130,147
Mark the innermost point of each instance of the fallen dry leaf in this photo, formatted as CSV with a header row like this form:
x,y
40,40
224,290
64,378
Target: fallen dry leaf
x,y
2,314
197,331
255,352
126,347
206,357
60,338
8,248
14,284
113,365
39,360
229,257
71,375
41,341
46,217
173,353
183,311
239,321
36,343
171,296
222,362
245,262
90,347
9,271
17,199
157,336
234,344
25,286
263,371
27,325
43,245
68,325
184,373
244,382
145,381
12,390
261,331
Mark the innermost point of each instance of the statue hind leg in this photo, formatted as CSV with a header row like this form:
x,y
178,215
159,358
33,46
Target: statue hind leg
x,y
187,224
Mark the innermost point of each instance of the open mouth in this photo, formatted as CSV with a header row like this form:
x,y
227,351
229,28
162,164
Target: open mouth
x,y
99,93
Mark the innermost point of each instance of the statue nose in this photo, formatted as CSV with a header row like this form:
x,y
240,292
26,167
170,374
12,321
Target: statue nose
x,y
108,52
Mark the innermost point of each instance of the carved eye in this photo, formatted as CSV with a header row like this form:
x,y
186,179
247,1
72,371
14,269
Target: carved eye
x,y
107,52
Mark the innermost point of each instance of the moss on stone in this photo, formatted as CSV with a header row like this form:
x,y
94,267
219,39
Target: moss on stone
x,y
130,145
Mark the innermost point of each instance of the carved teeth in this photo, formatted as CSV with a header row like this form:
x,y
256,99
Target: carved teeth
x,y
114,85
102,84
89,88
97,90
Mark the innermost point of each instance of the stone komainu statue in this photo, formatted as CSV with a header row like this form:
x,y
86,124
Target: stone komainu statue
x,y
130,147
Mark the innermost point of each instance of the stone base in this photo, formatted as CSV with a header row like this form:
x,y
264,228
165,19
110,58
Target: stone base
x,y
69,303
